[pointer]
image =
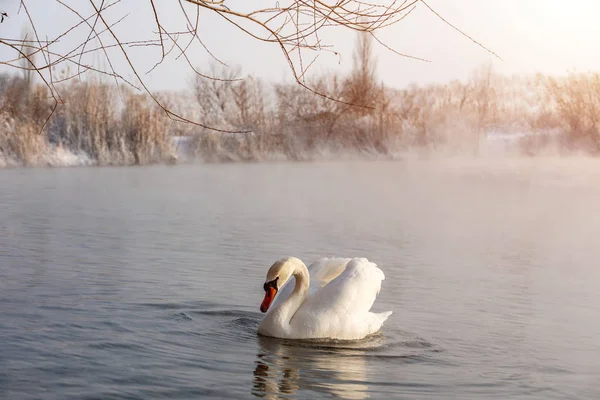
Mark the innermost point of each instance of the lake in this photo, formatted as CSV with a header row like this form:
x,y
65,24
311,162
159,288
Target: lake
x,y
145,282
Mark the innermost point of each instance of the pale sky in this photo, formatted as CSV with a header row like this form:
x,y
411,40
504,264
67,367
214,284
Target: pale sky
x,y
548,36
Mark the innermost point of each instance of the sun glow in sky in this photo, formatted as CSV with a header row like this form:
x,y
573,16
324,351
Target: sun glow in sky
x,y
548,36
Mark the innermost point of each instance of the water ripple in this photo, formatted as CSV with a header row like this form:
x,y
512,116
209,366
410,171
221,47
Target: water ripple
x,y
144,283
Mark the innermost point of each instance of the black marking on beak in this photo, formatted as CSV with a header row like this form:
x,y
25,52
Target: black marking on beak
x,y
272,284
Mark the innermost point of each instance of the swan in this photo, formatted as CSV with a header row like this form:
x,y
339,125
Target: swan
x,y
336,306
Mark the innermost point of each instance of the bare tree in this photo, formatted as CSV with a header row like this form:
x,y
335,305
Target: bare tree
x,y
249,100
361,86
484,98
28,58
215,96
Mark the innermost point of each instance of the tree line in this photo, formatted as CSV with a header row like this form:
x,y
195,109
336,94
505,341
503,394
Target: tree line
x,y
354,114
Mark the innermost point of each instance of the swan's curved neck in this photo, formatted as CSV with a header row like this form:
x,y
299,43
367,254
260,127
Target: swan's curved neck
x,y
286,310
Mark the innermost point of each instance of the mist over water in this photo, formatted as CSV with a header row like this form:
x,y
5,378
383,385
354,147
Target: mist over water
x,y
145,283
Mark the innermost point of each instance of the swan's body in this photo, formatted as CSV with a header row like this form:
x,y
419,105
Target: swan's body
x,y
334,305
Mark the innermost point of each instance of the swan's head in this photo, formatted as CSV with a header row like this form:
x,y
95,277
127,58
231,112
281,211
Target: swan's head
x,y
278,275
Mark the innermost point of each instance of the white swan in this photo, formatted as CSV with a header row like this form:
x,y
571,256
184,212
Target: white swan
x,y
335,307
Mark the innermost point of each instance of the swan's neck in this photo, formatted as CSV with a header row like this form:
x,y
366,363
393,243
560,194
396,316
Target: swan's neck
x,y
286,310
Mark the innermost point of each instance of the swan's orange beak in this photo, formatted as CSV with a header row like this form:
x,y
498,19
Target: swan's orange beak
x,y
269,296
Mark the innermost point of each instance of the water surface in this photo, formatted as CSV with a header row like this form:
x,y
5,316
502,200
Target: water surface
x,y
145,283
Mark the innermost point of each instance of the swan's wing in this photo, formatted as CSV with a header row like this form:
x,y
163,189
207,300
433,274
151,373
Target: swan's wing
x,y
325,270
321,273
353,292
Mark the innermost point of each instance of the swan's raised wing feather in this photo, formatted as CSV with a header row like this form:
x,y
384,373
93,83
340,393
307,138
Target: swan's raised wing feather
x,y
325,270
352,292
321,272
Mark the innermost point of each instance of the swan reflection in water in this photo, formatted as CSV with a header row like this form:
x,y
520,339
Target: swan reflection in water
x,y
285,368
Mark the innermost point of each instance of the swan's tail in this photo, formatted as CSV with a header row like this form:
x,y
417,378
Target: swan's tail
x,y
377,320
384,315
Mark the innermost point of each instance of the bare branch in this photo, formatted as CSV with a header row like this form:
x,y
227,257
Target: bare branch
x,y
294,27
460,31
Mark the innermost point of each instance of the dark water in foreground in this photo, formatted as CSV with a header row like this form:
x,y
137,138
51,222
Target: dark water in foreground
x,y
144,283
